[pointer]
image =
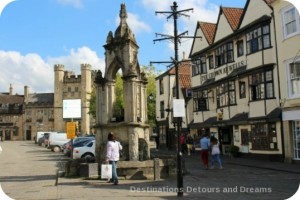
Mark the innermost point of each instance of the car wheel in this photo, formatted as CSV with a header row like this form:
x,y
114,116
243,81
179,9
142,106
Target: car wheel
x,y
56,149
88,157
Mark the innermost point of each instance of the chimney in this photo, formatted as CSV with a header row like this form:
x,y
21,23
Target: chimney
x,y
26,92
183,55
10,89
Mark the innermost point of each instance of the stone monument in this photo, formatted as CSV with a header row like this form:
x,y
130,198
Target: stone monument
x,y
131,129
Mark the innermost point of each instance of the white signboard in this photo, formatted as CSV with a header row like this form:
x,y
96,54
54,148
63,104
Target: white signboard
x,y
178,108
71,108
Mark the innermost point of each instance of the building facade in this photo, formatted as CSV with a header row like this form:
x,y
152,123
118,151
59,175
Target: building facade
x,y
287,33
165,93
11,116
22,116
38,113
69,86
235,81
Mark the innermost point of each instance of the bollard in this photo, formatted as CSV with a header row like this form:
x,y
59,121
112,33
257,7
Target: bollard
x,y
56,180
156,169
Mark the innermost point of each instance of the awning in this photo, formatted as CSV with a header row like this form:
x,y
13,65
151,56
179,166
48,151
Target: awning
x,y
239,119
273,116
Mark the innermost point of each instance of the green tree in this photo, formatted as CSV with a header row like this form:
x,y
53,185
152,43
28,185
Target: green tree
x,y
92,103
151,74
119,106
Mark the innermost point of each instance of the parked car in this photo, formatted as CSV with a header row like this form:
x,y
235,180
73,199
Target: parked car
x,y
87,151
40,134
42,140
56,141
77,142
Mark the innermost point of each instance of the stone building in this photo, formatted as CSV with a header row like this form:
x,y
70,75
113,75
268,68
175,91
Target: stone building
x,y
38,113
69,86
11,116
22,116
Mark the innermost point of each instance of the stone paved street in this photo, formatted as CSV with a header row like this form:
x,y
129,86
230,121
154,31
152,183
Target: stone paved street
x,y
27,171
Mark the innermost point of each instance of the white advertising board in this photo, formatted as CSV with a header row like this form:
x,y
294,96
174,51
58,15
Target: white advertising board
x,y
71,108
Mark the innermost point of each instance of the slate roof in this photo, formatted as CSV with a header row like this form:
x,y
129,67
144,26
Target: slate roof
x,y
41,98
11,99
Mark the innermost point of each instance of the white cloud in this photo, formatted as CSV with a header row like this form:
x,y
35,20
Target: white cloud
x,y
202,11
37,73
83,55
74,3
20,70
135,23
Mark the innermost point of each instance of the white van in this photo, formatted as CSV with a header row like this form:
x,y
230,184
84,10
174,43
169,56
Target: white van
x,y
56,141
40,134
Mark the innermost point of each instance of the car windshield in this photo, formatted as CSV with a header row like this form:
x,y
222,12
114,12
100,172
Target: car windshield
x,y
81,143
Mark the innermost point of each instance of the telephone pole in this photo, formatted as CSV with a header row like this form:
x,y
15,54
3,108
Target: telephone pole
x,y
174,13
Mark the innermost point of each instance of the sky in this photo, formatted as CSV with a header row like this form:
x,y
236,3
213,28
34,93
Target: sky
x,y
37,34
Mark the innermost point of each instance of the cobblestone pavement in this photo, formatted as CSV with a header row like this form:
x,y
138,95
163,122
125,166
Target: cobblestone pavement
x,y
27,172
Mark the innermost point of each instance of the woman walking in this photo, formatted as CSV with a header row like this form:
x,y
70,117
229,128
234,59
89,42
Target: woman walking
x,y
113,155
215,153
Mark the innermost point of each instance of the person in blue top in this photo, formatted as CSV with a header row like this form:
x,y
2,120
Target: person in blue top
x,y
205,146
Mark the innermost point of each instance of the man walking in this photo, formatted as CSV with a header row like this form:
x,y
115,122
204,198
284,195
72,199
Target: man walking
x,y
205,146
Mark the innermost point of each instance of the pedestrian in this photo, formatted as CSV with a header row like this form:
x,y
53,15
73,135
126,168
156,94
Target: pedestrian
x,y
190,143
113,155
182,143
205,146
215,153
157,142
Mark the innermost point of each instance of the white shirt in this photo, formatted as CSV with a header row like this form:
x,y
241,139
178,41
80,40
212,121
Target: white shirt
x,y
113,150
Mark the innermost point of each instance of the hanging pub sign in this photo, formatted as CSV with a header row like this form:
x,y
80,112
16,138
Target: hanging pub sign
x,y
220,116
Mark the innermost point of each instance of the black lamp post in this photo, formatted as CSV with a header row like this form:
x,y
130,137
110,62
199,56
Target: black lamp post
x,y
174,13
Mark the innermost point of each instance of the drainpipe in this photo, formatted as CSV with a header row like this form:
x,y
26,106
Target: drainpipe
x,y
279,90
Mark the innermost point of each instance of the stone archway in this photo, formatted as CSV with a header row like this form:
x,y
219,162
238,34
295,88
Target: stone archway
x,y
121,53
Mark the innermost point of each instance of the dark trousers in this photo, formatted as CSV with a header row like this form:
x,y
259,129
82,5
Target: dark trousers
x,y
204,157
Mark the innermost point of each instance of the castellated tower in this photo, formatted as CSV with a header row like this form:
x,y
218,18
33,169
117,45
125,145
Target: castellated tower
x,y
69,86
58,97
86,89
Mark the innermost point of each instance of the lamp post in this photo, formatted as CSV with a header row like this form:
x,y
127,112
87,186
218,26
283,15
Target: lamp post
x,y
174,13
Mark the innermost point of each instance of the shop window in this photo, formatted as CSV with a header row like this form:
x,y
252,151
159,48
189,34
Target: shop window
x,y
264,136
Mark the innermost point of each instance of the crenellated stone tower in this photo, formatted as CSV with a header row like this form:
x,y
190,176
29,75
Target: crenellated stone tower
x,y
69,86
121,52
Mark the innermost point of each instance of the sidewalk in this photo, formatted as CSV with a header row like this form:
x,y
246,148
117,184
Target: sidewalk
x,y
247,162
